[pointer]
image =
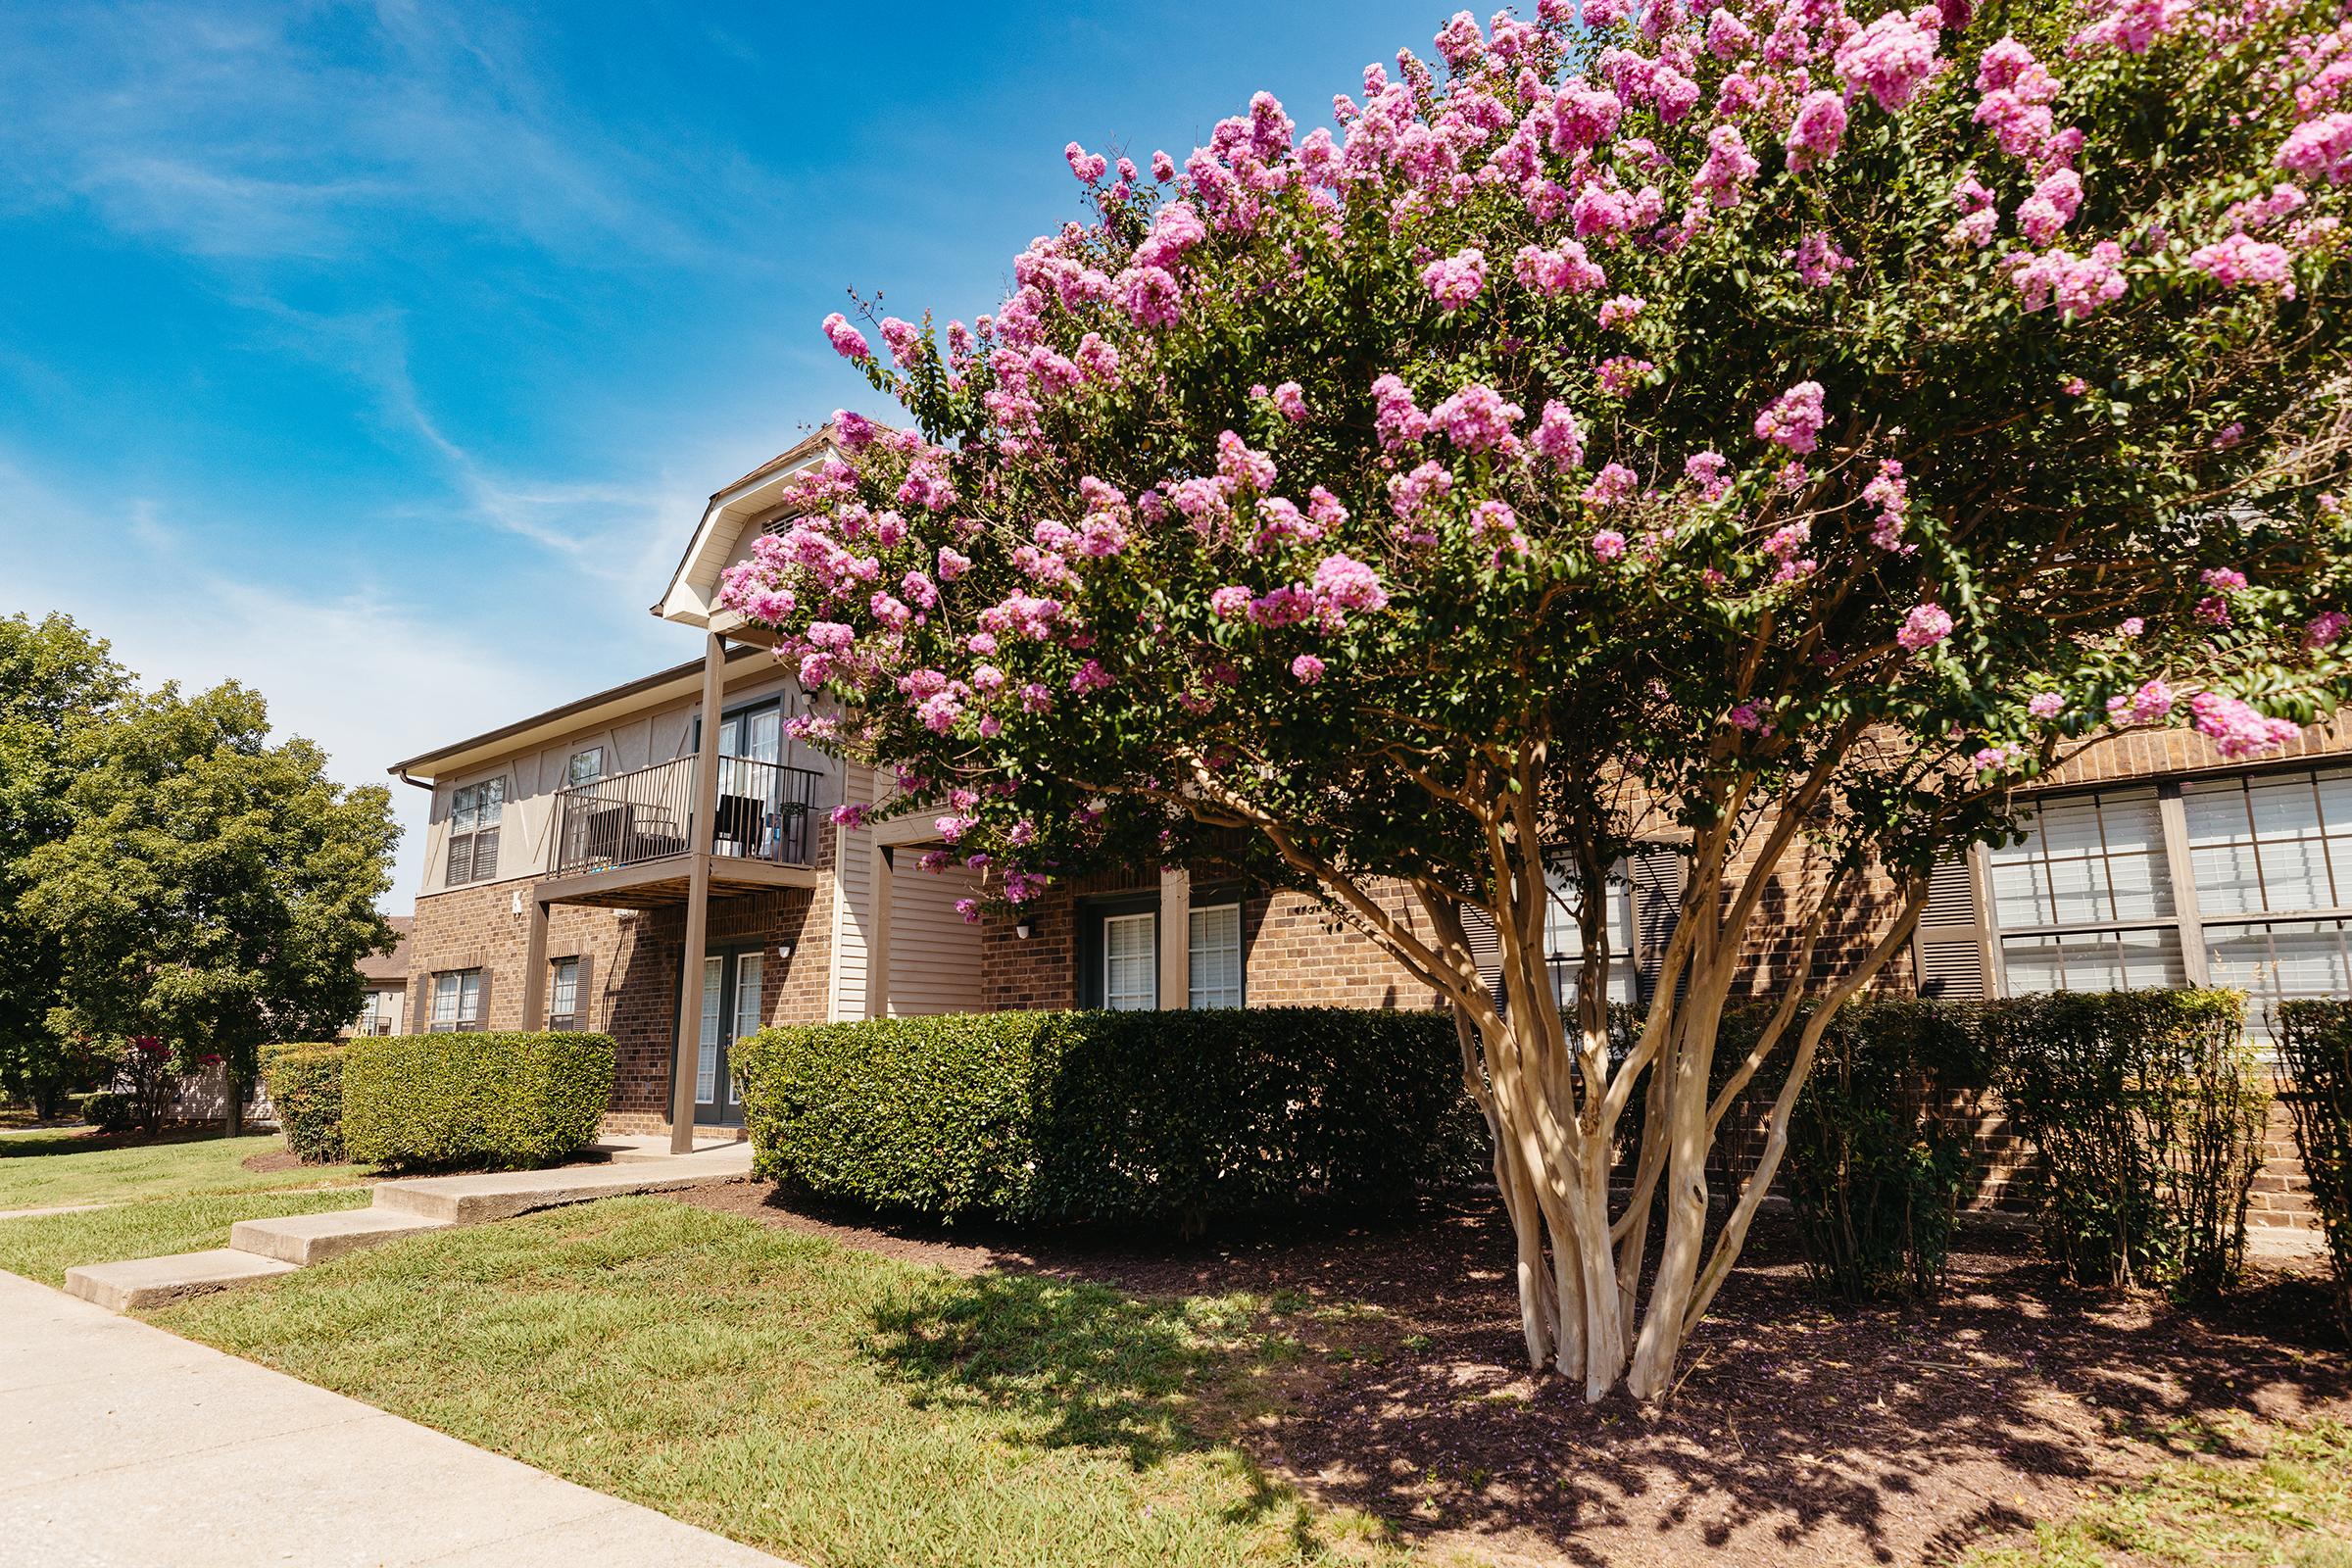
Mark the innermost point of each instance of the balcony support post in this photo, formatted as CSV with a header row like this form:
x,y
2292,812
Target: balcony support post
x,y
535,968
700,836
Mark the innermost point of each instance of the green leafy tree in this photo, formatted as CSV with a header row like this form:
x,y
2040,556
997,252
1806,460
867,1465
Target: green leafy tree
x,y
213,888
1765,427
58,685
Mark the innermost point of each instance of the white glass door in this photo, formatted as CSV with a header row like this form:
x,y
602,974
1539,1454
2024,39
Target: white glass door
x,y
731,1008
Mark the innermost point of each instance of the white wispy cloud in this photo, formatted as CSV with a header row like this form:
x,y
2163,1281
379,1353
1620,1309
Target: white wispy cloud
x,y
252,133
368,676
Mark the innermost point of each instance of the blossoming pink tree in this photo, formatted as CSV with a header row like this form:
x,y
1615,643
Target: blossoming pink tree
x,y
1770,428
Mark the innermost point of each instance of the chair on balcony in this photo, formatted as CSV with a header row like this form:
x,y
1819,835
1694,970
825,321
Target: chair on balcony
x,y
741,818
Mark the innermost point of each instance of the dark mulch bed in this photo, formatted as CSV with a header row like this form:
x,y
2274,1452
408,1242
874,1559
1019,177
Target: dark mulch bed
x,y
1802,1435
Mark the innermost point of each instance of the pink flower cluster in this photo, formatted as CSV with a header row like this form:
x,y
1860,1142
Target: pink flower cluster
x,y
1816,132
1890,58
2017,92
2152,701
1566,269
1621,373
2241,259
1454,281
1557,437
1890,493
1925,627
1794,418
1396,417
1819,261
2076,285
1620,310
1478,419
1729,166
2319,149
2235,729
847,340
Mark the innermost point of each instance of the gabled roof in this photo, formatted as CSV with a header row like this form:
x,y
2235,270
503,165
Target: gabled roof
x,y
393,965
692,588
616,704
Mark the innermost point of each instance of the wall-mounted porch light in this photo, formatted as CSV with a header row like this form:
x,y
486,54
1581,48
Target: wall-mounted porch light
x,y
784,950
1021,929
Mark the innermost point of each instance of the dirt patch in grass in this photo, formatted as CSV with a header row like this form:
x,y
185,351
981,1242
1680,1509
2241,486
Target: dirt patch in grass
x,y
271,1161
1387,1374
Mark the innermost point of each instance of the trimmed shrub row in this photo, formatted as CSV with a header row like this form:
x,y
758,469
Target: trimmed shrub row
x,y
2316,1040
2147,1108
306,1087
1877,1159
1099,1117
503,1101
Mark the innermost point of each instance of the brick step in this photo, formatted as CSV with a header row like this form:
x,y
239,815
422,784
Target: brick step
x,y
306,1238
143,1282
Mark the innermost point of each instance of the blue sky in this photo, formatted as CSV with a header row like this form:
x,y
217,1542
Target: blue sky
x,y
381,356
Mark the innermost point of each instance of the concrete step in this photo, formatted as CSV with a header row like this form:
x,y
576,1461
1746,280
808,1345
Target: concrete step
x,y
143,1282
306,1238
477,1199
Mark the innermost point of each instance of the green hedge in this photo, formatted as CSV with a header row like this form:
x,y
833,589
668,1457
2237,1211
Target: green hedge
x,y
1877,1157
2147,1109
109,1110
306,1089
2315,1038
500,1101
1120,1117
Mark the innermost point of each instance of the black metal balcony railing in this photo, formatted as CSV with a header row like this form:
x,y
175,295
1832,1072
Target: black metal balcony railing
x,y
646,814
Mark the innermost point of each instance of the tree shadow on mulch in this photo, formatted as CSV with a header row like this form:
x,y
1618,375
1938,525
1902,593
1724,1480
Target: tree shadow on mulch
x,y
1381,1367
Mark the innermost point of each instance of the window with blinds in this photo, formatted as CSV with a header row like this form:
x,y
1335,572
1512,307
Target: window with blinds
x,y
1215,957
475,815
1641,899
566,994
1130,963
2157,885
457,998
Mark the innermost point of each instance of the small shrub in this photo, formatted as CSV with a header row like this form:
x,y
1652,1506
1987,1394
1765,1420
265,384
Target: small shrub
x,y
1877,1153
503,1101
2315,1038
110,1111
1110,1117
2146,1109
306,1086
147,1077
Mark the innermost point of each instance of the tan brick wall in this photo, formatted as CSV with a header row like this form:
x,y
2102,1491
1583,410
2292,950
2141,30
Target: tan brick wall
x,y
1293,954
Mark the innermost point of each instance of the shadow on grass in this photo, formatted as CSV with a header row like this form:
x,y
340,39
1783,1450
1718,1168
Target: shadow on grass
x,y
1083,1364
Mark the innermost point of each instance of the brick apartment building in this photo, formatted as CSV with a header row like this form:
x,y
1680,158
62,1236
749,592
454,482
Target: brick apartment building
x,y
564,885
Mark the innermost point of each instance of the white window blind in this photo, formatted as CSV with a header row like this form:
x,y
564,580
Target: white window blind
x,y
1130,963
1215,956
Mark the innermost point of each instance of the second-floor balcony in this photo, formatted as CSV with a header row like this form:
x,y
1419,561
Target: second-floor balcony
x,y
764,814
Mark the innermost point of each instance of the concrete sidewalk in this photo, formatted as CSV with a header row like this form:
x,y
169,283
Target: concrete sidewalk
x,y
124,1446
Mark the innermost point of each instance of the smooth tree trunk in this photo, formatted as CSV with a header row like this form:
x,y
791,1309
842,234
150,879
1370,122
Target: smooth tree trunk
x,y
1555,1105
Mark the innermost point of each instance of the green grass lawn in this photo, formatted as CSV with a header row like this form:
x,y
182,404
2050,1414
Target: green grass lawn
x,y
832,1405
2292,1508
45,1169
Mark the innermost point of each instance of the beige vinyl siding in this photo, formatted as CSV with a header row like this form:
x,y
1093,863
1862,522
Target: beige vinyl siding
x,y
934,956
534,776
853,905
